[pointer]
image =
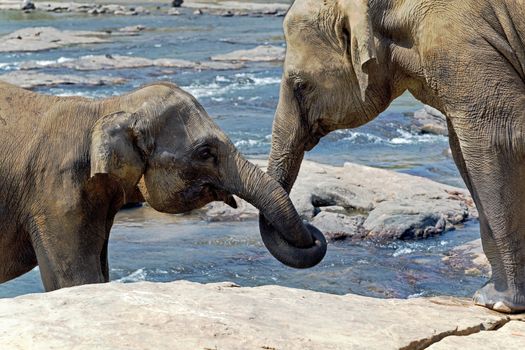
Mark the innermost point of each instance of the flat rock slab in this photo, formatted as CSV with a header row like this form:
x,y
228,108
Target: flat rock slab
x,y
360,201
45,38
510,337
30,79
100,62
185,315
235,5
262,53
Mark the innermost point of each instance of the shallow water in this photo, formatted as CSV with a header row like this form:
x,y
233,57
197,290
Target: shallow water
x,y
164,248
150,246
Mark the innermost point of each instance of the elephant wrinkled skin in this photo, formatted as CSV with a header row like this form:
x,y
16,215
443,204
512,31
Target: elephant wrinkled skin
x,y
347,60
68,164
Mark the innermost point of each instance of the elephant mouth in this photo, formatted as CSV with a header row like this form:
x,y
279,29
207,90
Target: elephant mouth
x,y
221,195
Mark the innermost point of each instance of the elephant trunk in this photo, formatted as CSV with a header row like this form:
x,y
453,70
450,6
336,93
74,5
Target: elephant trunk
x,y
291,242
289,140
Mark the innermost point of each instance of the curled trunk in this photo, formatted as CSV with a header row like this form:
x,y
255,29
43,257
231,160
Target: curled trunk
x,y
293,243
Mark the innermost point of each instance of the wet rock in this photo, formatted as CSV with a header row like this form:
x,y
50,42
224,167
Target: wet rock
x,y
29,79
227,13
101,62
173,12
430,121
133,29
226,316
470,258
45,38
197,12
363,202
337,226
266,53
27,5
177,3
220,212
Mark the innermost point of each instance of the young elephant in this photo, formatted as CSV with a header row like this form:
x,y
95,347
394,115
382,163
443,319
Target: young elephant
x,y
68,164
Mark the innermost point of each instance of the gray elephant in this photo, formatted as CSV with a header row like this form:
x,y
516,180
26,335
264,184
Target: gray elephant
x,y
68,164
346,60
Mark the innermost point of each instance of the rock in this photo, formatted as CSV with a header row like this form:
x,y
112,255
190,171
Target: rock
x,y
45,38
470,258
233,5
430,121
185,315
27,5
177,3
363,202
261,53
226,13
338,226
197,12
173,12
100,62
133,29
220,212
33,79
510,336
396,206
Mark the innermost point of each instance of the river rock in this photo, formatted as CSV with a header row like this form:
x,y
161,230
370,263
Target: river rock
x,y
45,38
236,5
185,315
470,258
364,202
101,62
430,121
29,79
262,53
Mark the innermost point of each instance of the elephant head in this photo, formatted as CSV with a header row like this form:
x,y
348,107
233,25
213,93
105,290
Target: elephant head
x,y
181,160
331,80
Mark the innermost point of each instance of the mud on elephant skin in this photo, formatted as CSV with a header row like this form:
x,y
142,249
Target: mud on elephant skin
x,y
347,60
68,164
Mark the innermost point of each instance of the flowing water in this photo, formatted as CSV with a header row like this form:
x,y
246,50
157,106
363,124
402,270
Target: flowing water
x,y
155,247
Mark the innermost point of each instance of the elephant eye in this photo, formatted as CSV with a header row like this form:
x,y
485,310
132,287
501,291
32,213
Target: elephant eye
x,y
204,153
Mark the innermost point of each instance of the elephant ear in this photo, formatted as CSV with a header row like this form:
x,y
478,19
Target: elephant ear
x,y
362,46
116,151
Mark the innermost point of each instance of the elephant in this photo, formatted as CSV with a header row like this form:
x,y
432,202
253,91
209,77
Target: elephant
x,y
69,163
347,60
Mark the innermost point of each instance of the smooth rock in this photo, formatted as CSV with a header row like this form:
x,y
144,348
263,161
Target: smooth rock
x,y
262,53
101,62
236,5
45,38
374,203
509,337
28,79
430,121
184,315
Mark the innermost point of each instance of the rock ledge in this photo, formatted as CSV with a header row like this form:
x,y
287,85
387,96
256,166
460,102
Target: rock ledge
x,y
184,315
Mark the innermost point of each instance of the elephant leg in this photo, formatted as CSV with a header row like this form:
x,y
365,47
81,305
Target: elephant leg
x,y
494,177
17,258
487,237
104,261
69,250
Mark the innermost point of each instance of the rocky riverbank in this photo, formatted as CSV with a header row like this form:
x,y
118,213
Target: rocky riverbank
x,y
145,7
184,315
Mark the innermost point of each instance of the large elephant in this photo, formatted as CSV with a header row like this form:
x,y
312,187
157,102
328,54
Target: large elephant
x,y
68,164
346,60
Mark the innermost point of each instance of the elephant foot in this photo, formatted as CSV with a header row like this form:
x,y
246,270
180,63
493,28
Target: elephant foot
x,y
504,301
